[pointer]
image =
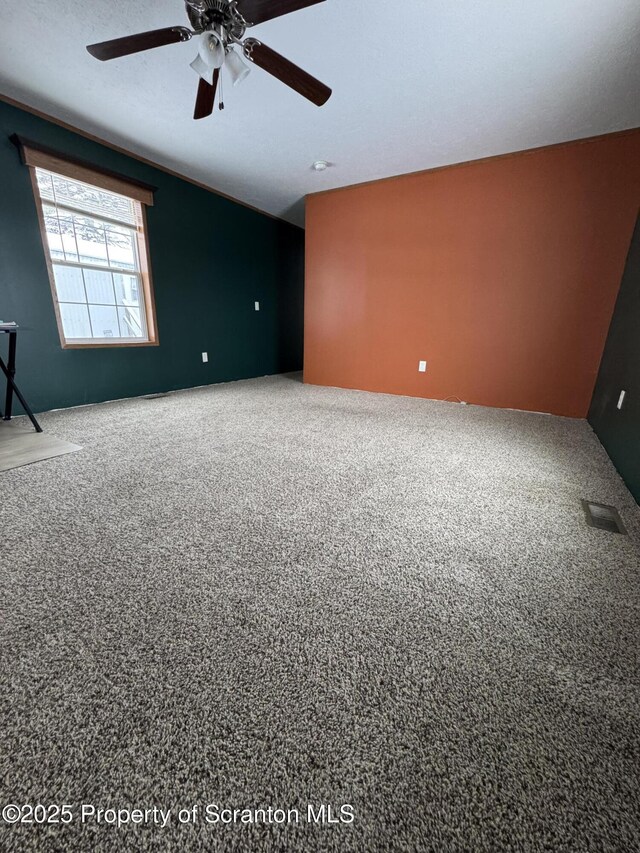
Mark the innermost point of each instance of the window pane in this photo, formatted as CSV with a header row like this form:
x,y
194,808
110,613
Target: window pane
x,y
91,244
122,247
69,284
55,230
67,235
75,321
54,237
104,321
131,323
99,287
127,289
70,193
45,184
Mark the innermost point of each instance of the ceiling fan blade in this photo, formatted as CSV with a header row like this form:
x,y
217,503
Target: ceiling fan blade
x,y
257,11
291,75
142,41
206,96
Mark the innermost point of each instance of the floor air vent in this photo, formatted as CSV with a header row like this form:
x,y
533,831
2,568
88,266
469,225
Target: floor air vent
x,y
603,517
155,396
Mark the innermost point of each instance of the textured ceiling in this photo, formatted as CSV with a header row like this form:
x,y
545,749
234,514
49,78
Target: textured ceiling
x,y
435,82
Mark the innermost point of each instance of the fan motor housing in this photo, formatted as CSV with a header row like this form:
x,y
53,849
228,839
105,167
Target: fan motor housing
x,y
215,13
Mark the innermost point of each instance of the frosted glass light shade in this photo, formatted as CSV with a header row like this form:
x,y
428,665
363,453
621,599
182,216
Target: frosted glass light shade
x,y
238,69
211,55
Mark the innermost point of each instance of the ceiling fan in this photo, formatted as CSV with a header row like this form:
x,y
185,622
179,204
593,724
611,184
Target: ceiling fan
x,y
220,26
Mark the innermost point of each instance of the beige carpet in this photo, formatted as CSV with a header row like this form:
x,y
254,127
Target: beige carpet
x,y
21,445
267,595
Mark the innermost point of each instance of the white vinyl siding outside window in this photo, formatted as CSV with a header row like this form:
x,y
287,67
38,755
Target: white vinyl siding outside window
x,y
95,241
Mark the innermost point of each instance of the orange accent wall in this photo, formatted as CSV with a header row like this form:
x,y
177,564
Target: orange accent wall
x,y
502,274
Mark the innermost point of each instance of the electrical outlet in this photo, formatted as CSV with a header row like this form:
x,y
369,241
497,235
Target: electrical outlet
x,y
205,357
257,306
623,394
422,367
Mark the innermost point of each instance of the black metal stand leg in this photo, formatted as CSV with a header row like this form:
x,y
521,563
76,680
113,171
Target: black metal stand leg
x,y
11,372
15,390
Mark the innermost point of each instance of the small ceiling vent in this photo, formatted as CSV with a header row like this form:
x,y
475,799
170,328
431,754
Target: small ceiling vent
x,y
603,517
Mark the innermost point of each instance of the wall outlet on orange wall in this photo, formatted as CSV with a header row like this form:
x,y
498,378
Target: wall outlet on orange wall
x,y
422,367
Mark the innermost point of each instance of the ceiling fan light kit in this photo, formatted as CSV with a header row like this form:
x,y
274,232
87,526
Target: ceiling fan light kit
x,y
221,25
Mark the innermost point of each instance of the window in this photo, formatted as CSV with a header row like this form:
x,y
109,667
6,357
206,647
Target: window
x,y
97,254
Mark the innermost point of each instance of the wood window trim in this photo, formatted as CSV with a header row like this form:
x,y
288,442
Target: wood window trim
x,y
38,157
35,155
145,273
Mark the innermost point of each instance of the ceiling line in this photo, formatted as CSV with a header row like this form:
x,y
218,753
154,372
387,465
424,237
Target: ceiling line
x,y
586,140
120,150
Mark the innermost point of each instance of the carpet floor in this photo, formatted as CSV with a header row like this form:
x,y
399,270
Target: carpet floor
x,y
266,594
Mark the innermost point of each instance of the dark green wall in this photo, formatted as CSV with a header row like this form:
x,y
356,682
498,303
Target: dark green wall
x,y
619,430
211,261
